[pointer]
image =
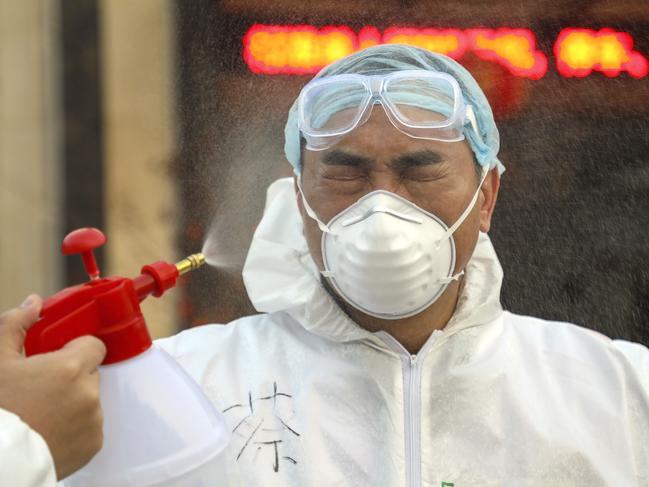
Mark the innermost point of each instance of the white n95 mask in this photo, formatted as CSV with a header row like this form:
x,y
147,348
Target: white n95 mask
x,y
386,256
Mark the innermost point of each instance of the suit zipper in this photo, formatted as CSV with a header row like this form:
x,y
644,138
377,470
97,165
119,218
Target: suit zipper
x,y
411,368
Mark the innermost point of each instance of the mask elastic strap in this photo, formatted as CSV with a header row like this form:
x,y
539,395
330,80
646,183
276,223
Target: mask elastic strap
x,y
459,221
447,280
309,211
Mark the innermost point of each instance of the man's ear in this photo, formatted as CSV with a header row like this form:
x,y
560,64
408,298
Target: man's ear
x,y
489,192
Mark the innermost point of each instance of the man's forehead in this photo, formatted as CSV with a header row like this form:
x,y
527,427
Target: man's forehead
x,y
347,115
379,135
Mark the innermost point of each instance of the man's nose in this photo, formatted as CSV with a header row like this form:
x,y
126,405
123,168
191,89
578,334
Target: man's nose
x,y
388,180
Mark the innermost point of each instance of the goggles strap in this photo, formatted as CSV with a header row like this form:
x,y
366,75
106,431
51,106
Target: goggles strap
x,y
470,115
459,221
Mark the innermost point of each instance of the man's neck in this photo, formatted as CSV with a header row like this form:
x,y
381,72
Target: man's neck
x,y
411,332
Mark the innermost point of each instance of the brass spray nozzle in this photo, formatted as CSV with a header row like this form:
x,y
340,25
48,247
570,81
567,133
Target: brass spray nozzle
x,y
190,263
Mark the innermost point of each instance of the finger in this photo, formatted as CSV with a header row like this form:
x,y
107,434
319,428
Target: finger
x,y
15,323
88,349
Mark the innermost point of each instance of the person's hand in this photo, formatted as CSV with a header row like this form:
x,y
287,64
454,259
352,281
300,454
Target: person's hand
x,y
56,394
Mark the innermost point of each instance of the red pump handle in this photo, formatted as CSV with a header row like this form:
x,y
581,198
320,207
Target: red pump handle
x,y
108,308
83,241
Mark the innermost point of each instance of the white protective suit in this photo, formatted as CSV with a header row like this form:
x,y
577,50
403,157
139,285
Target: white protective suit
x,y
493,400
25,460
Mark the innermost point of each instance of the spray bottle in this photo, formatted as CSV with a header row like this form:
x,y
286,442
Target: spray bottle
x,y
159,428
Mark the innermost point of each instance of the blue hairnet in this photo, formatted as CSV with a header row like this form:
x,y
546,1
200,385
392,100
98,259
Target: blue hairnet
x,y
387,58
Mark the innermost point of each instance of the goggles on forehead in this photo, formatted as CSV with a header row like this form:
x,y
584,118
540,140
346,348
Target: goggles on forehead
x,y
421,104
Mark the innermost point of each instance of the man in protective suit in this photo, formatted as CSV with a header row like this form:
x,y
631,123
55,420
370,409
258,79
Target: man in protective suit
x,y
382,354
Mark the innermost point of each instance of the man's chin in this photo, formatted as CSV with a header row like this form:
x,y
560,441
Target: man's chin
x,y
342,304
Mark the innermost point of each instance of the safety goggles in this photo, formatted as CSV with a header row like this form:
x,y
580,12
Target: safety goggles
x,y
421,104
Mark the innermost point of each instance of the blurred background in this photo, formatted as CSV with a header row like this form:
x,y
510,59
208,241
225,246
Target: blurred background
x,y
161,122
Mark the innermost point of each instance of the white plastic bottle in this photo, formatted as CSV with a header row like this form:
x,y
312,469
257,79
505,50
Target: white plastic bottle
x,y
159,429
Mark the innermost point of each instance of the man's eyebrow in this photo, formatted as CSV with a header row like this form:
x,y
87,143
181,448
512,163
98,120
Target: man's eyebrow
x,y
337,157
414,159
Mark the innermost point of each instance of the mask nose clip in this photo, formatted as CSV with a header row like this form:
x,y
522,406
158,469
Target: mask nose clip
x,y
381,209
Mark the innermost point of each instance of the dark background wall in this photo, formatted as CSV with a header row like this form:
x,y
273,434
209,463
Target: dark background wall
x,y
572,221
82,131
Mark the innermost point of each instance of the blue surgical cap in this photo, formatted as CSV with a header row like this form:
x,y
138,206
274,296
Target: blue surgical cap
x,y
387,58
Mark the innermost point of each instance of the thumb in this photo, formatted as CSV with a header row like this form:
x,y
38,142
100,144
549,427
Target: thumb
x,y
15,323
